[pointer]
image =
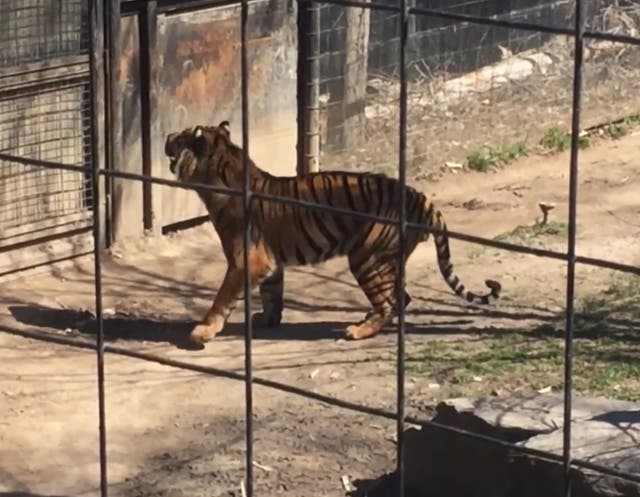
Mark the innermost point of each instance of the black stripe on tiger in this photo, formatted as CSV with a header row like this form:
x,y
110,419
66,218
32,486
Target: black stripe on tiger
x,y
441,240
284,234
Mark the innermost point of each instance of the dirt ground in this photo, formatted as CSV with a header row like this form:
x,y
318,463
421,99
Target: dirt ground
x,y
178,433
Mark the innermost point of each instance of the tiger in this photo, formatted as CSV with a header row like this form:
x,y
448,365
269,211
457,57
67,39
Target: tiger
x,y
283,235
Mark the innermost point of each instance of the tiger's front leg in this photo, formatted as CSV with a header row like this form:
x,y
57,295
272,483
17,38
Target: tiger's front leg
x,y
223,305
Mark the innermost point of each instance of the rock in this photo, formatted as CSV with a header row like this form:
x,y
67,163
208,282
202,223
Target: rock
x,y
608,443
604,431
540,413
473,204
617,444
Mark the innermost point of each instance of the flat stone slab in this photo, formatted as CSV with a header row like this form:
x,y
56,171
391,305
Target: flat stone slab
x,y
604,432
542,413
599,442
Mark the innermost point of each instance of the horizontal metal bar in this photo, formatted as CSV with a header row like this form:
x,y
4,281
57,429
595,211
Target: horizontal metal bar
x,y
70,80
551,254
491,21
29,229
603,35
190,5
120,174
488,21
44,239
25,161
589,261
176,7
284,387
42,73
232,192
49,262
185,224
355,3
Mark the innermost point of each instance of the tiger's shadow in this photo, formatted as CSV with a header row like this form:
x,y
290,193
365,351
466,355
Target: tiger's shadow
x,y
122,326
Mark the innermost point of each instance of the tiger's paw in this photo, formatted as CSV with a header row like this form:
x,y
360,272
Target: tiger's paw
x,y
266,320
359,332
204,333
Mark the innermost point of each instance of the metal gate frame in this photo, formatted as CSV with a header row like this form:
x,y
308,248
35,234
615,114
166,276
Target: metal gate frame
x,y
36,77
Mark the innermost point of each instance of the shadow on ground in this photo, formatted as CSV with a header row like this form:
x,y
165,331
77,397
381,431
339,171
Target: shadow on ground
x,y
161,329
384,486
26,494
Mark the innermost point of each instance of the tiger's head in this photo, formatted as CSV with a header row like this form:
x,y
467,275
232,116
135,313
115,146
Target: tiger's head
x,y
193,151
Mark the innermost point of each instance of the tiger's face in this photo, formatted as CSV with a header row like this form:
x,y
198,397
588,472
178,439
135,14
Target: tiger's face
x,y
191,150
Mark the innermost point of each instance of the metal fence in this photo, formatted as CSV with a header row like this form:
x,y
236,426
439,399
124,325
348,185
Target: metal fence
x,y
465,78
44,114
404,13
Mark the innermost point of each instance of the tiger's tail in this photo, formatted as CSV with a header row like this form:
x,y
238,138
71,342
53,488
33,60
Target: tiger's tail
x,y
436,220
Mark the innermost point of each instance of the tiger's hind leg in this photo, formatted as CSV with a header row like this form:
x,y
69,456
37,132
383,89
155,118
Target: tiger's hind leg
x,y
271,294
378,281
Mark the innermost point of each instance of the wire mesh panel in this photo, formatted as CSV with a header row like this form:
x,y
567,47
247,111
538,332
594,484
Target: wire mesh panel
x,y
50,124
44,115
37,30
465,78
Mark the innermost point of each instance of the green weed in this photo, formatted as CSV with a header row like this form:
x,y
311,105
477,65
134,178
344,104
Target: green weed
x,y
496,157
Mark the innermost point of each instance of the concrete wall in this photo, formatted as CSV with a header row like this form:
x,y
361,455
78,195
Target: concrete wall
x,y
198,82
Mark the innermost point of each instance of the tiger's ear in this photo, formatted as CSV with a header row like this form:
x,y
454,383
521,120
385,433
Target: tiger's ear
x,y
200,143
224,127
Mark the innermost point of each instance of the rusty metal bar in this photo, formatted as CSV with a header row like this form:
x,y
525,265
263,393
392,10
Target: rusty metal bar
x,y
246,243
147,33
301,84
456,235
191,5
485,21
402,228
333,401
95,67
571,244
44,239
114,114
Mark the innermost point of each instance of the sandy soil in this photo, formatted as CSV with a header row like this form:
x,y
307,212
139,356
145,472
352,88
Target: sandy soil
x,y
180,433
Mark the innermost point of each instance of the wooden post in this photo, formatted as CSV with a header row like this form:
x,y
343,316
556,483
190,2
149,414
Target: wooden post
x,y
357,45
308,88
312,142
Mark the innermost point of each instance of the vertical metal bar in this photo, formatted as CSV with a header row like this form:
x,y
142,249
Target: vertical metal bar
x,y
96,18
402,177
302,78
97,105
244,69
312,90
115,104
106,60
571,242
147,28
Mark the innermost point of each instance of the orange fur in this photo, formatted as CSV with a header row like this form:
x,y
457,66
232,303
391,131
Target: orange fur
x,y
283,235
